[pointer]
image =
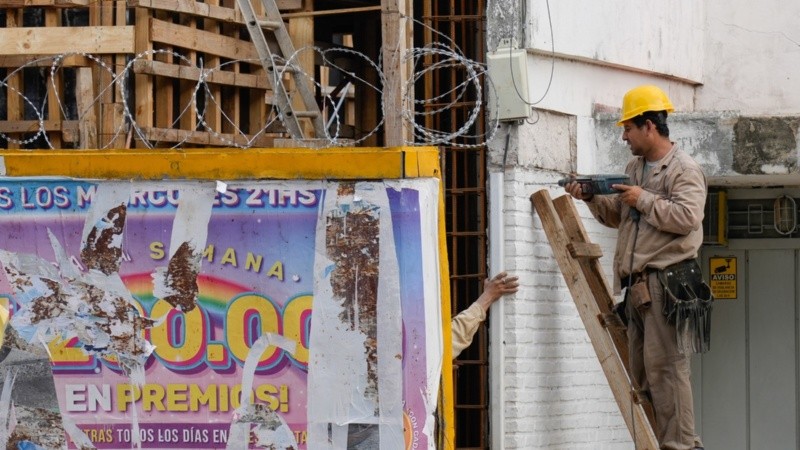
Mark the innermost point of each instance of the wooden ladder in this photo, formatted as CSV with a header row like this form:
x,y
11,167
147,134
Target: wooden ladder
x,y
579,261
274,46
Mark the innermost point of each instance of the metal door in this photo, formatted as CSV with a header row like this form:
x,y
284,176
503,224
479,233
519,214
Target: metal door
x,y
746,386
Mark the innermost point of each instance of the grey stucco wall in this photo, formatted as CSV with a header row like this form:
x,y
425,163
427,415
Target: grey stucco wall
x,y
724,143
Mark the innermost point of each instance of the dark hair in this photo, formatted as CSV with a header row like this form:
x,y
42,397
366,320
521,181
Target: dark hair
x,y
659,119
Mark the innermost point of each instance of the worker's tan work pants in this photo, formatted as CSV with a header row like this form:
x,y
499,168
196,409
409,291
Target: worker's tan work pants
x,y
658,367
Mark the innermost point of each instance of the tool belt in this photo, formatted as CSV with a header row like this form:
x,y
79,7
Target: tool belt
x,y
687,305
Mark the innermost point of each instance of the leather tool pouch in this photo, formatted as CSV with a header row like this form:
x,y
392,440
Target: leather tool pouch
x,y
687,304
640,295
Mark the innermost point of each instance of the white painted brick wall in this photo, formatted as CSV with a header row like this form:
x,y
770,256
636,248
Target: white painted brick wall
x,y
557,396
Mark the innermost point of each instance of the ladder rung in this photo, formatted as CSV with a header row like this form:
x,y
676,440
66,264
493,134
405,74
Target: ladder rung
x,y
271,25
306,114
282,69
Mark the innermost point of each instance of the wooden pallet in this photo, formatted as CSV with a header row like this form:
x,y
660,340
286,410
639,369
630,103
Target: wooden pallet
x,y
206,34
579,261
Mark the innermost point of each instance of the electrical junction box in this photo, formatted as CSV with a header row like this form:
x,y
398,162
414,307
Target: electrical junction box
x,y
508,90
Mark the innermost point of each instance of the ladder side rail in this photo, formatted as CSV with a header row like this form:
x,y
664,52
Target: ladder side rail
x,y
632,413
568,214
284,42
281,96
593,271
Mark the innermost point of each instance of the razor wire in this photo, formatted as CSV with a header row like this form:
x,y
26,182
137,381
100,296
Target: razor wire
x,y
415,112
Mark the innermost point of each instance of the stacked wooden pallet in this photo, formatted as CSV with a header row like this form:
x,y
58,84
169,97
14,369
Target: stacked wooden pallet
x,y
135,73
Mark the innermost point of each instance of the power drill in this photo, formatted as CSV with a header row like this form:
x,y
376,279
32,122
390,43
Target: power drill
x,y
597,184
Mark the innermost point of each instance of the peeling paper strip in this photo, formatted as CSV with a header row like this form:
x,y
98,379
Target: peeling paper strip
x,y
6,407
192,216
177,283
390,324
239,435
337,352
76,434
109,195
429,218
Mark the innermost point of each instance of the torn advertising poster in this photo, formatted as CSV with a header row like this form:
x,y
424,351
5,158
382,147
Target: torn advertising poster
x,y
268,314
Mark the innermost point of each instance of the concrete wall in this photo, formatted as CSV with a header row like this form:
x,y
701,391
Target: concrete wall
x,y
730,69
752,58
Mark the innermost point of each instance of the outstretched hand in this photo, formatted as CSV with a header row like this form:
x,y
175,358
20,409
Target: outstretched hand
x,y
496,287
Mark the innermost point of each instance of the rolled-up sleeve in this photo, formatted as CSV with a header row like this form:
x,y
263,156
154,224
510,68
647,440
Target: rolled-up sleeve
x,y
465,324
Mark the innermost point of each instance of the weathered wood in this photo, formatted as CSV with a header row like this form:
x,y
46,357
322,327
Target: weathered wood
x,y
210,42
6,4
585,250
112,126
301,31
87,116
397,36
15,61
54,41
331,12
14,86
52,18
203,138
200,10
67,128
584,293
597,281
32,126
205,10
164,91
143,83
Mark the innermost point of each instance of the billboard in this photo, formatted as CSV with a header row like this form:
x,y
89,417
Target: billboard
x,y
206,315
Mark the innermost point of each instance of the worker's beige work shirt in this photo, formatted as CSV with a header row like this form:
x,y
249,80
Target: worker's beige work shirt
x,y
465,324
671,208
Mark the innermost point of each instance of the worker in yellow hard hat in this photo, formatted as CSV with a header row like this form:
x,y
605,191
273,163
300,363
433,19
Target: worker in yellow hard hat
x,y
667,304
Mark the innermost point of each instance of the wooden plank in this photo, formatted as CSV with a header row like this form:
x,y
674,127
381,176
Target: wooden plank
x,y
87,117
187,88
6,4
14,83
143,114
172,135
210,42
164,91
205,10
68,129
231,98
53,41
52,20
587,305
584,250
15,61
301,31
597,282
113,126
396,37
32,126
213,107
202,10
331,12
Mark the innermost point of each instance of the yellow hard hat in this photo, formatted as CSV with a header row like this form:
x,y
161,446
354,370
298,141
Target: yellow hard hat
x,y
642,99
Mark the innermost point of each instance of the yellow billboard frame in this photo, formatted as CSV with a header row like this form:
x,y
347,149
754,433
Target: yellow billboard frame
x,y
345,163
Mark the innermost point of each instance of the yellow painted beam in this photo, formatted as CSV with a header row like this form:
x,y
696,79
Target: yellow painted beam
x,y
225,164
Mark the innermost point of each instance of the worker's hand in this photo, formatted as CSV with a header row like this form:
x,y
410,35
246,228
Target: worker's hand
x,y
628,194
496,287
574,189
